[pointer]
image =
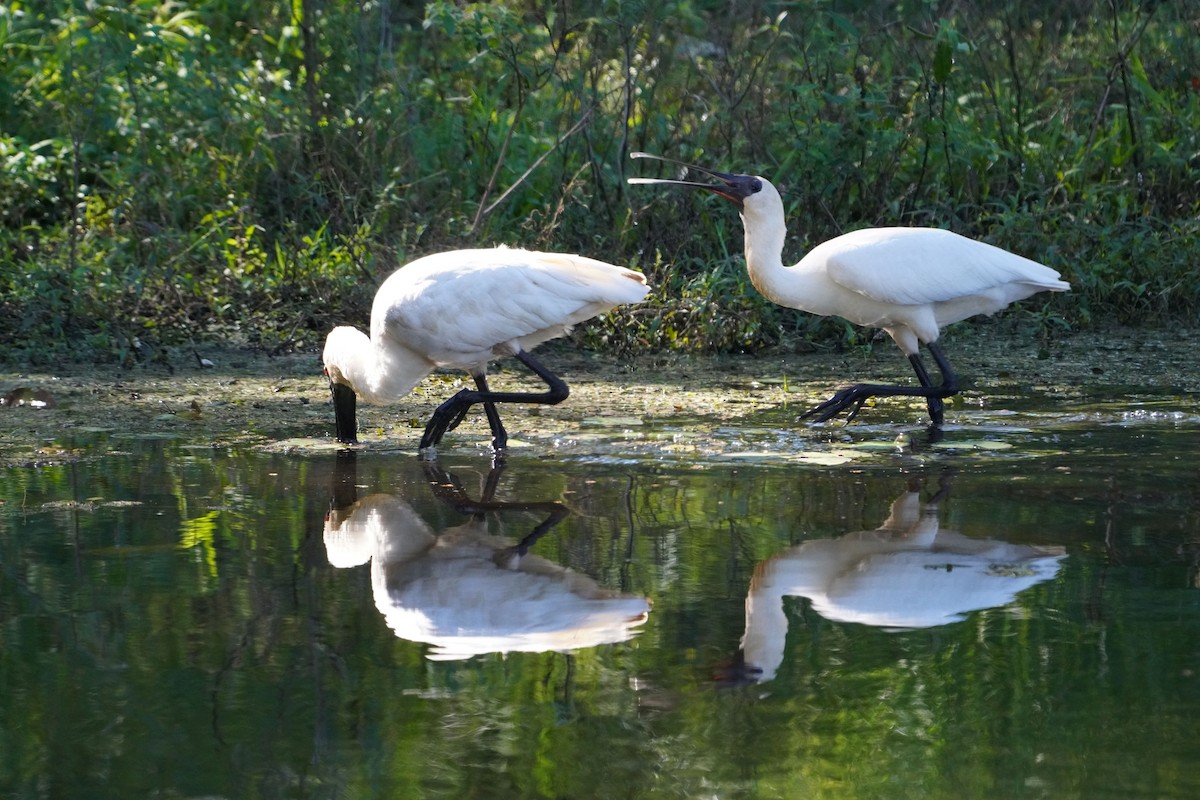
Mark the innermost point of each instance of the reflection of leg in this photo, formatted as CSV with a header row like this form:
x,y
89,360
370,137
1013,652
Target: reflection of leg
x,y
344,486
447,488
491,483
558,512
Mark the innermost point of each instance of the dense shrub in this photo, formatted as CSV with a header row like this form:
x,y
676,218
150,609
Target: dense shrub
x,y
250,171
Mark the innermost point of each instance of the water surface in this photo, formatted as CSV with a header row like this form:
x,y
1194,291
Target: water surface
x,y
756,610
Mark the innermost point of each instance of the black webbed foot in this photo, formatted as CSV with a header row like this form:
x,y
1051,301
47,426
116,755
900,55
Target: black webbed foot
x,y
854,396
937,411
446,417
449,414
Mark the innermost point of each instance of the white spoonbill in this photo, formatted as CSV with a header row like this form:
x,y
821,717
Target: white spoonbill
x,y
462,309
908,573
907,281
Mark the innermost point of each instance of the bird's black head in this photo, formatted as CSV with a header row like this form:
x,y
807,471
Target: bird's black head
x,y
735,188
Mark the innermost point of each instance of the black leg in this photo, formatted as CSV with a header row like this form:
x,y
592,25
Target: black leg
x,y
949,378
450,413
853,397
936,407
949,383
499,435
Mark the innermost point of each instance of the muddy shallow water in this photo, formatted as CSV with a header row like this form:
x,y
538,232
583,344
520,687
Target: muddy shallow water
x,y
659,401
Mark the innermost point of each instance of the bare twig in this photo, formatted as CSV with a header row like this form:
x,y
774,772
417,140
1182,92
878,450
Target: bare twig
x,y
578,126
480,212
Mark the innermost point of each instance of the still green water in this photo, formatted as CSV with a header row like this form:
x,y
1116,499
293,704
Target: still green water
x,y
1012,612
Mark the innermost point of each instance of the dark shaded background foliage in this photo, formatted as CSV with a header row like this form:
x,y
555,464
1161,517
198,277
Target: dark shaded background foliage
x,y
249,172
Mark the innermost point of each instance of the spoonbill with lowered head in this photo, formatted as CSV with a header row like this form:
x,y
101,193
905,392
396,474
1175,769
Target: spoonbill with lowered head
x,y
464,308
907,281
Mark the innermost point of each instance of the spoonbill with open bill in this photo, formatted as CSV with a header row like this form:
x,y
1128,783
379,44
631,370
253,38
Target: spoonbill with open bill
x,y
907,281
464,308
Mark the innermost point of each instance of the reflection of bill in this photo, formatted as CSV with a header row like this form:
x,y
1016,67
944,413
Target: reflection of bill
x,y
466,591
908,573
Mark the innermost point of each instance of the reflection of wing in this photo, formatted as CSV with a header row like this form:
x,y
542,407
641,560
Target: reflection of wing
x,y
905,588
907,574
466,592
457,598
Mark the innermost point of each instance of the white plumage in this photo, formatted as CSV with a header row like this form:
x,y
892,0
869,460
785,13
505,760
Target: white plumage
x,y
462,309
908,281
909,573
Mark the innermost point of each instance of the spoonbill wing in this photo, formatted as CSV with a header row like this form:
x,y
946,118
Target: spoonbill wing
x,y
916,266
497,296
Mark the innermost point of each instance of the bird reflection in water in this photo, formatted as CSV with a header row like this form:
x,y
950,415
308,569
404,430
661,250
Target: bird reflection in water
x,y
908,573
465,590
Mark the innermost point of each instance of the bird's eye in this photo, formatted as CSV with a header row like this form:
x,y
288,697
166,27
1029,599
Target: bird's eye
x,y
756,185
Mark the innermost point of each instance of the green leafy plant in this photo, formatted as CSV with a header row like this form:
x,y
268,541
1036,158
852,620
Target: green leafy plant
x,y
250,172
